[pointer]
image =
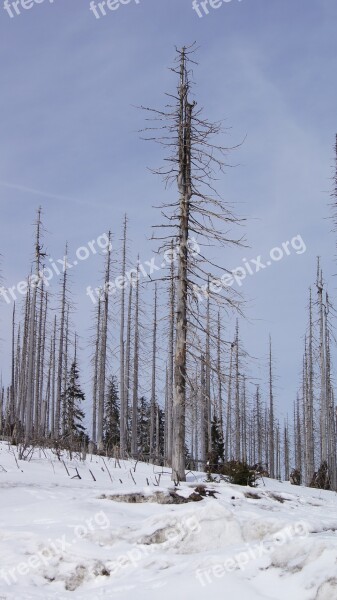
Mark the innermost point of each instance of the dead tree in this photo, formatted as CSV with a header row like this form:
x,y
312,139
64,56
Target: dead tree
x,y
135,383
123,411
198,212
103,349
60,363
153,379
170,369
96,365
35,281
272,457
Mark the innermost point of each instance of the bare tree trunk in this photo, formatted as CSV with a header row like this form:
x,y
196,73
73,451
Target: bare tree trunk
x,y
60,365
96,375
244,421
134,442
103,351
203,415
185,190
310,401
123,424
53,385
13,398
45,418
153,382
31,346
331,432
1,406
65,374
128,366
43,347
38,399
237,397
24,361
157,434
278,452
219,374
286,453
271,418
170,364
323,385
259,426
228,438
17,380
298,436
208,414
194,212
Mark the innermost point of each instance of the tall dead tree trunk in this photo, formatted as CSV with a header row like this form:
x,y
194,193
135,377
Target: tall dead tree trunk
x,y
60,363
310,459
128,366
170,378
237,397
185,191
65,373
197,211
153,380
244,417
38,369
286,453
271,417
123,424
208,423
135,383
219,375
12,388
228,437
203,414
322,363
259,425
103,350
53,384
31,346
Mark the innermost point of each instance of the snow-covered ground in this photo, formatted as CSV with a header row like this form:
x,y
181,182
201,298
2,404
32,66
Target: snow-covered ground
x,y
62,536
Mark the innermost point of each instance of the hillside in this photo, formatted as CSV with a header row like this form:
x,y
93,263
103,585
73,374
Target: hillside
x,y
64,535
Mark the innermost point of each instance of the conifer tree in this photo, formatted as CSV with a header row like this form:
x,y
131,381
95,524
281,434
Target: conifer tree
x,y
144,419
111,425
216,455
74,414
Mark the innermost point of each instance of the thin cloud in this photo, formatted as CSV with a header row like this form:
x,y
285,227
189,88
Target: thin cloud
x,y
28,190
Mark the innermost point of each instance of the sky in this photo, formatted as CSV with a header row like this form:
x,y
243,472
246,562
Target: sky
x,y
70,142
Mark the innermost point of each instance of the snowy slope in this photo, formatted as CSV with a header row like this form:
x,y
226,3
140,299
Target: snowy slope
x,y
62,536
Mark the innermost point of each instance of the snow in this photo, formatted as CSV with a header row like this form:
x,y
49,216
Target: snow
x,y
64,537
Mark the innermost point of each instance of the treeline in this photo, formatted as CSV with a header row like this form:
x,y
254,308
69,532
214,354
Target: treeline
x,y
229,416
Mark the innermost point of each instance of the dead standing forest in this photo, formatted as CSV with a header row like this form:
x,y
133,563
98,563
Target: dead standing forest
x,y
205,411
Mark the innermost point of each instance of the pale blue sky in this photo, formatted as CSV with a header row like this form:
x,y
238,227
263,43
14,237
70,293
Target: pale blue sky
x,y
68,127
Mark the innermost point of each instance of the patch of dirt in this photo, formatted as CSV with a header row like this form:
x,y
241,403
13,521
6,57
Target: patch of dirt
x,y
252,496
169,497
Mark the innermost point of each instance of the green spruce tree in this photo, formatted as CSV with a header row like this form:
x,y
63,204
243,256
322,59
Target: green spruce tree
x,y
73,399
111,424
216,456
143,434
